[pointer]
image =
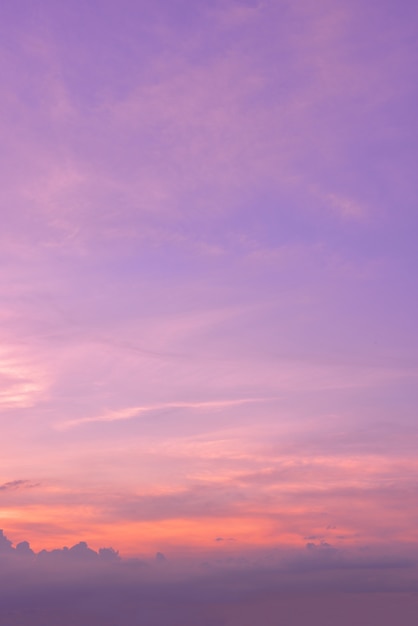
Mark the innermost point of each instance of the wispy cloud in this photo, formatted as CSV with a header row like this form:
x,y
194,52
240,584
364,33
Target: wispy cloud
x,y
23,383
133,412
17,484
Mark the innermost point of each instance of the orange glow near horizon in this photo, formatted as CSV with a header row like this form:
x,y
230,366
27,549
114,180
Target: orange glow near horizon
x,y
355,521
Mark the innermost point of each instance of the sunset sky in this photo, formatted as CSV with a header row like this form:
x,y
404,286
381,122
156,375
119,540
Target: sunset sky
x,y
208,266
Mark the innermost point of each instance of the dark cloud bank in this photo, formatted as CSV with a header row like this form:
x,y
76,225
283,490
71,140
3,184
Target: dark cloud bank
x,y
316,586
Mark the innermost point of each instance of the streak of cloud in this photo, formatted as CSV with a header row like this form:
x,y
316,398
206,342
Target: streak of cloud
x,y
133,412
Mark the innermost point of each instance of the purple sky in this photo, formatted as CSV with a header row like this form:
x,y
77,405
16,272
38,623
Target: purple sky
x,y
208,254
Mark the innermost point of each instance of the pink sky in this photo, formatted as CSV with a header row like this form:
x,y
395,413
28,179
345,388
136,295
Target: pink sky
x,y
208,293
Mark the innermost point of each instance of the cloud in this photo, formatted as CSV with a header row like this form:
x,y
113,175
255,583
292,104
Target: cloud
x,y
92,587
130,413
5,544
23,549
18,484
109,554
78,553
22,383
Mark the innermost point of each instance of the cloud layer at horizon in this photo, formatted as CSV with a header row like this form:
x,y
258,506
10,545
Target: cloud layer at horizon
x,y
80,586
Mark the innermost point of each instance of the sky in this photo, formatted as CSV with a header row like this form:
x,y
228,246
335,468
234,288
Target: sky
x,y
208,294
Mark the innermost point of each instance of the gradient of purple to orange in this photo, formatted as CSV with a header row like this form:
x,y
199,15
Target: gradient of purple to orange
x,y
208,291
